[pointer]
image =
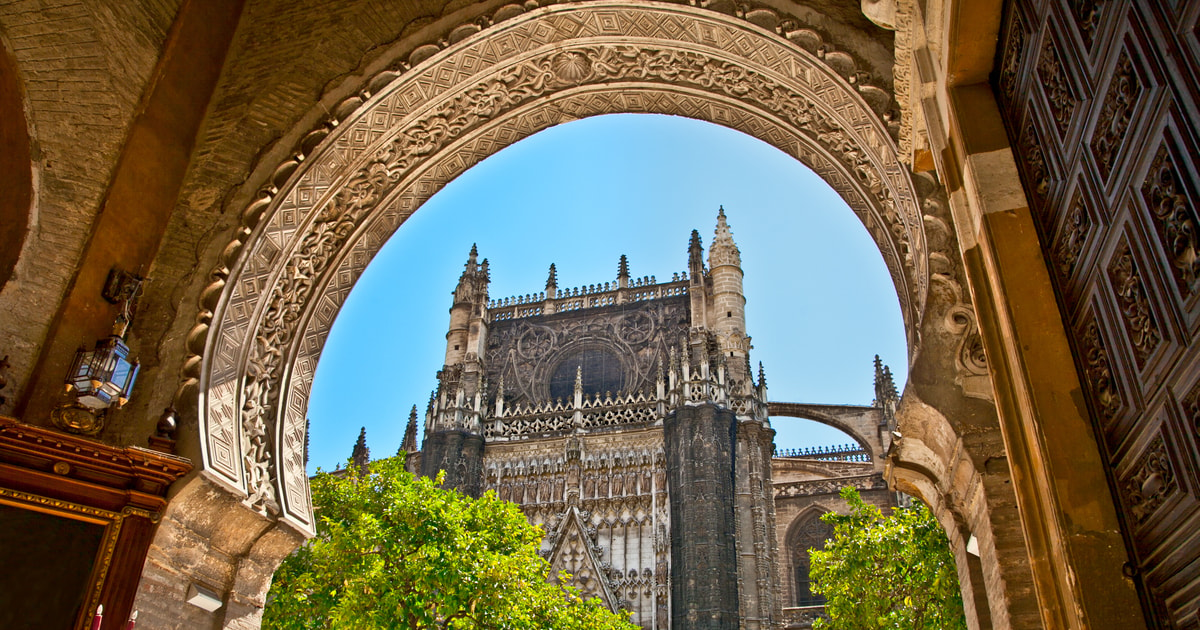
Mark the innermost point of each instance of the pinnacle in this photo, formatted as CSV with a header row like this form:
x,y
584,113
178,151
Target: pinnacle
x,y
552,280
623,267
361,455
409,444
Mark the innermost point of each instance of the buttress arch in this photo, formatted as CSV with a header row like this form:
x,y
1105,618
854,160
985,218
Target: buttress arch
x,y
415,126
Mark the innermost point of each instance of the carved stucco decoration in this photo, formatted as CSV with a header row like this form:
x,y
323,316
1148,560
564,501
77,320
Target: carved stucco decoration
x,y
328,210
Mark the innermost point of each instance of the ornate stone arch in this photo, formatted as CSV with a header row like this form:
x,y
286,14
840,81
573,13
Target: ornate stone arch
x,y
331,207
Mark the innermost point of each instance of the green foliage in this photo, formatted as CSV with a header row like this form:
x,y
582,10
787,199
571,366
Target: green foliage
x,y
394,551
894,572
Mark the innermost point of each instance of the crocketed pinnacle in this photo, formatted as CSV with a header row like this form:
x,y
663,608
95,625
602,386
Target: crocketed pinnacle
x,y
409,444
361,456
723,250
623,267
552,281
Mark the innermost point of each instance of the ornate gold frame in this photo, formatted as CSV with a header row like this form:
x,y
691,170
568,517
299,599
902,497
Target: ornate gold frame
x,y
111,521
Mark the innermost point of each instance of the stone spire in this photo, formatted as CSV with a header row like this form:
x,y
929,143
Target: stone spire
x,y
361,456
623,272
723,250
409,444
472,284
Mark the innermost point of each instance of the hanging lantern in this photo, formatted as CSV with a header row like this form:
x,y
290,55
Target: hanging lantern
x,y
102,377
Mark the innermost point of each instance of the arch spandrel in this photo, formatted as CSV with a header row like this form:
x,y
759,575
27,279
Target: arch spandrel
x,y
324,216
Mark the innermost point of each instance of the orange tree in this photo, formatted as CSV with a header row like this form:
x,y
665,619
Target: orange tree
x,y
891,572
395,551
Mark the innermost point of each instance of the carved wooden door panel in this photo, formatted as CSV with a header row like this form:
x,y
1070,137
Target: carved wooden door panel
x,y
1100,99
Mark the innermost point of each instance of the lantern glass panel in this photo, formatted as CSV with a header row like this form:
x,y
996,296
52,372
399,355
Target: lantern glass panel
x,y
81,373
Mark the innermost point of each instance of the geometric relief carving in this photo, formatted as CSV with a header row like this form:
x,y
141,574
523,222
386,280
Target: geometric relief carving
x,y
1151,481
1135,308
1071,239
1116,113
1173,209
1056,86
1100,378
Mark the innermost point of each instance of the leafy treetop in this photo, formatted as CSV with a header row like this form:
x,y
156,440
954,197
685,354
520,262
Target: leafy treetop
x,y
891,572
394,551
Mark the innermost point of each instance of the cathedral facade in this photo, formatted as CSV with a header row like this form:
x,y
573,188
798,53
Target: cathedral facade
x,y
626,421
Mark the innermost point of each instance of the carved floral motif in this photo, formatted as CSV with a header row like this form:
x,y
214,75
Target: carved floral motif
x,y
1071,238
1151,481
1035,169
1136,311
1171,203
1014,48
1100,380
1057,87
1087,18
1191,406
1116,113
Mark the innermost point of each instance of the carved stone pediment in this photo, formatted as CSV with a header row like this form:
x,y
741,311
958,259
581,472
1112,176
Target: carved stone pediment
x,y
575,553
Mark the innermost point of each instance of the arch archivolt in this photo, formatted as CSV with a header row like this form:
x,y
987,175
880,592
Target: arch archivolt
x,y
311,232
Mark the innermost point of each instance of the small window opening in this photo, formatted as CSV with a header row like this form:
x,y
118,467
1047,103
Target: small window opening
x,y
456,346
728,313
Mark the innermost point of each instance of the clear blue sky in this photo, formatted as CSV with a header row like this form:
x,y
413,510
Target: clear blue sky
x,y
820,303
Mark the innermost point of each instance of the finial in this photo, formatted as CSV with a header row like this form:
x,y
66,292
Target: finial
x,y
762,375
474,252
721,211
361,456
623,267
552,281
723,250
578,378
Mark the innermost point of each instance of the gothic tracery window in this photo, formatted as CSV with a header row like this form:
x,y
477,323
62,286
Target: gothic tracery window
x,y
811,534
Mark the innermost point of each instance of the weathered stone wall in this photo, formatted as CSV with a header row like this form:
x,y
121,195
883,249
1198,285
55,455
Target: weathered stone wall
x,y
460,455
700,444
82,67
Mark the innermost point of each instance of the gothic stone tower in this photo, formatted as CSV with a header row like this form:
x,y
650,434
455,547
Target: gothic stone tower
x,y
624,418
